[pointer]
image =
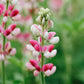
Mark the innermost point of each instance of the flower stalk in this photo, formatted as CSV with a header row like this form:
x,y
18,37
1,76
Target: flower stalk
x,y
42,63
4,41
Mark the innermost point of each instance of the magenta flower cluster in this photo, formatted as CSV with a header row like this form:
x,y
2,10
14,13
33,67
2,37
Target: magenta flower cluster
x,y
7,32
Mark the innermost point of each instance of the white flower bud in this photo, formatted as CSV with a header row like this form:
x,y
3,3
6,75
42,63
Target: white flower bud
x,y
36,30
35,53
48,17
46,35
5,19
38,19
30,47
54,40
43,21
50,24
47,10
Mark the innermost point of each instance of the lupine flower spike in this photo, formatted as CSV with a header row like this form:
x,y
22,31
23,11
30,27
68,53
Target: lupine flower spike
x,y
8,32
39,49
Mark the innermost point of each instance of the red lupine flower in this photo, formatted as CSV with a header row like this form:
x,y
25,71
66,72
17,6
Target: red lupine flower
x,y
11,7
33,42
50,48
6,13
2,8
12,27
6,32
48,69
14,13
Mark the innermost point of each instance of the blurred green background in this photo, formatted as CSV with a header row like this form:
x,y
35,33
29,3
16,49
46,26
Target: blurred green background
x,y
69,26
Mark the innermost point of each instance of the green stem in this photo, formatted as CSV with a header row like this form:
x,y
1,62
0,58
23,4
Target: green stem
x,y
42,62
4,40
3,72
3,63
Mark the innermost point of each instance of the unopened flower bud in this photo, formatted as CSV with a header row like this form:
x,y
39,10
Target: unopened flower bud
x,y
35,53
50,24
36,73
5,19
43,21
38,19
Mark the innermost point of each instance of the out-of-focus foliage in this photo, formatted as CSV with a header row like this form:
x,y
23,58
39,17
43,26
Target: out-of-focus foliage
x,y
69,26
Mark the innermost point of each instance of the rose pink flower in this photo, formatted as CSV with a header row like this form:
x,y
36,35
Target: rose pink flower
x,y
14,13
56,4
36,73
29,66
12,27
6,13
11,7
33,42
9,50
2,8
6,32
48,69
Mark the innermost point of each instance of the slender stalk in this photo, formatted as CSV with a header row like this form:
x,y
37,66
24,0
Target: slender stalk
x,y
3,72
42,62
4,40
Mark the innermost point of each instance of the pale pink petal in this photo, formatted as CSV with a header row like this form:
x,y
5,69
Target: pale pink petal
x,y
54,40
47,54
12,52
50,35
9,37
30,47
36,73
29,66
39,40
50,24
53,69
47,73
2,57
17,17
16,31
35,53
7,46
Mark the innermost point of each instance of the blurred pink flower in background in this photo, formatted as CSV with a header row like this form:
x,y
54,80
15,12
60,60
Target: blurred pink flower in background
x,y
56,4
23,37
